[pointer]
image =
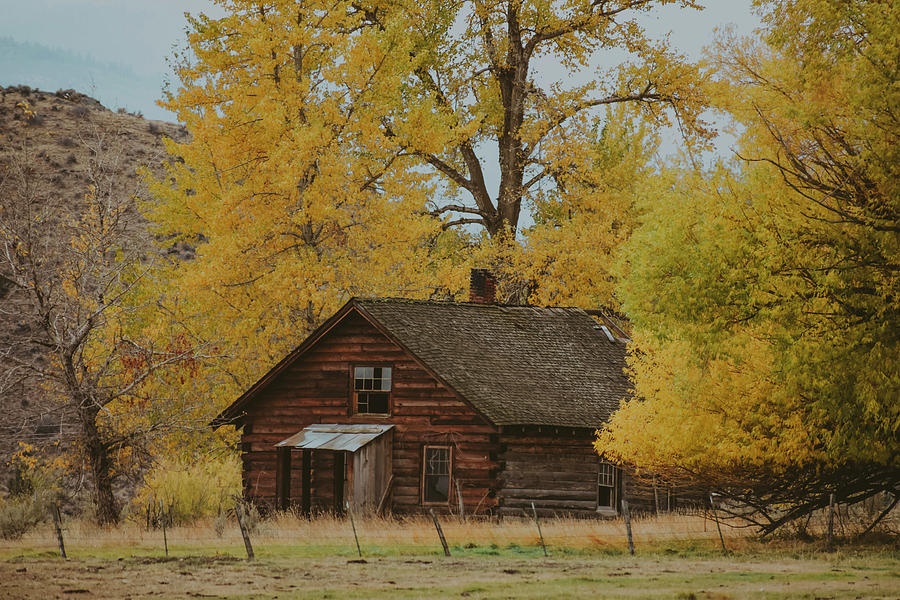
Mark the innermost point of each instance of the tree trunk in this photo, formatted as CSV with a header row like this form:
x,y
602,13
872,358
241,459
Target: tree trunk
x,y
98,457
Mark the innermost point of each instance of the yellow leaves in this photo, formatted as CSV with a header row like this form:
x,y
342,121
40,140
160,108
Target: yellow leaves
x,y
760,304
25,456
323,134
26,110
39,465
298,196
568,254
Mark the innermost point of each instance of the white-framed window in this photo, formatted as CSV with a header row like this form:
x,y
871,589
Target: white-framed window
x,y
437,467
372,390
607,486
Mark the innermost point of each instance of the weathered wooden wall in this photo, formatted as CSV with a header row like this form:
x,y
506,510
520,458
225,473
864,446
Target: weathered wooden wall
x,y
650,495
317,389
554,467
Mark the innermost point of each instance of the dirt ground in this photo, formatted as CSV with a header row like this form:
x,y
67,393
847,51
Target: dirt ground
x,y
438,577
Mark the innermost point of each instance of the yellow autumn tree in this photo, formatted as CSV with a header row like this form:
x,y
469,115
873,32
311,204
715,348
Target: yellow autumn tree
x,y
292,204
337,146
764,293
584,219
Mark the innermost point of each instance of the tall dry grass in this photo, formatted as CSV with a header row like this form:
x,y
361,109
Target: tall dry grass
x,y
386,535
419,530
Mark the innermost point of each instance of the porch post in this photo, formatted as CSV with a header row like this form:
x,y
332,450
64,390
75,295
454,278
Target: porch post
x,y
305,497
283,479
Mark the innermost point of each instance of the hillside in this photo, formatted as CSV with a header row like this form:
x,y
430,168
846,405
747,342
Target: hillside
x,y
53,133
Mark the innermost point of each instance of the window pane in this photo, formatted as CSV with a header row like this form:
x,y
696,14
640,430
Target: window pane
x,y
385,379
605,497
378,402
607,474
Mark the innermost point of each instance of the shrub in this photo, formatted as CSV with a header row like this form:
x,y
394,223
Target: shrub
x,y
32,490
19,515
190,490
219,525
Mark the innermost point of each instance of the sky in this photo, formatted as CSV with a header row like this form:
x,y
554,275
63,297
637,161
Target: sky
x,y
122,46
125,43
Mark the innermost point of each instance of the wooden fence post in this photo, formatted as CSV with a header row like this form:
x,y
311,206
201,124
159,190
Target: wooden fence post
x,y
440,531
627,516
57,521
462,507
829,536
162,516
538,523
353,525
715,513
239,512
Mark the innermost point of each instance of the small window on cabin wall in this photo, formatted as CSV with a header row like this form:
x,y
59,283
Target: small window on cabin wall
x,y
372,390
436,475
606,486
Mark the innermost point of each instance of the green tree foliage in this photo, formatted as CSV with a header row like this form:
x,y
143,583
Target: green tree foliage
x,y
764,295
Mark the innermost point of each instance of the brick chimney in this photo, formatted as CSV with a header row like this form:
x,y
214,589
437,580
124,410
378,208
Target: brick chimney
x,y
482,287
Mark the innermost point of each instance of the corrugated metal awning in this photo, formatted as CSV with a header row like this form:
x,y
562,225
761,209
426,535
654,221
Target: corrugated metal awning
x,y
332,436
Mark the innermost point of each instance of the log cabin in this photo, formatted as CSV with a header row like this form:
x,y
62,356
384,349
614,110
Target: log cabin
x,y
403,406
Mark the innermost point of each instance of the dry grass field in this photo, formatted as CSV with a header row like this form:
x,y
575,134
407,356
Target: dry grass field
x,y
678,556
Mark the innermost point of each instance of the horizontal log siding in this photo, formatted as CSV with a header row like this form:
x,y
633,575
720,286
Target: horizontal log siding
x,y
554,467
316,389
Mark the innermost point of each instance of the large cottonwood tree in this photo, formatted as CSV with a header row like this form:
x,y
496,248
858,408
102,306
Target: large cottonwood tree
x,y
764,294
336,144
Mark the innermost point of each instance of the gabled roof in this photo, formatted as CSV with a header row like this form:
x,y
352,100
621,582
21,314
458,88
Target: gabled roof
x,y
518,365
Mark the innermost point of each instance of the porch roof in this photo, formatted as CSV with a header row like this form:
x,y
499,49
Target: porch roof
x,y
333,436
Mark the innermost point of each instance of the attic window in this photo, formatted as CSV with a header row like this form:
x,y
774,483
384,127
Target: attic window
x,y
372,390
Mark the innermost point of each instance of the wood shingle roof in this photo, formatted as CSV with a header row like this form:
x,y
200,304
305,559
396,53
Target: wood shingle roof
x,y
518,365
